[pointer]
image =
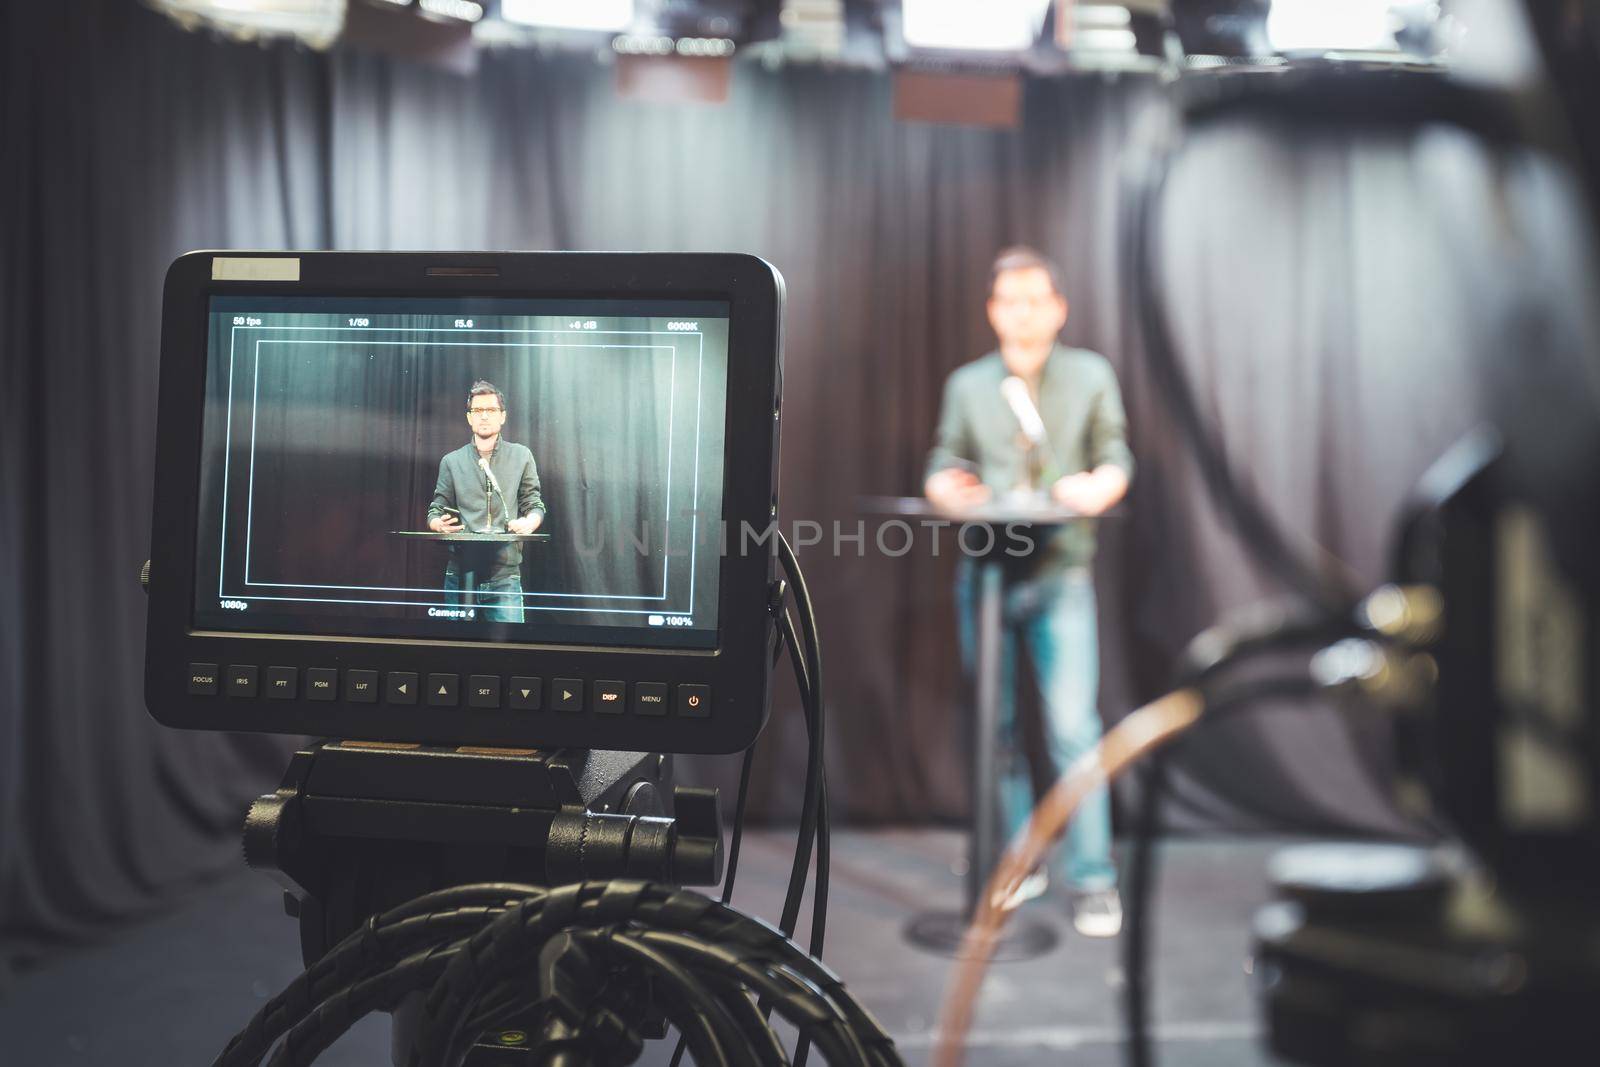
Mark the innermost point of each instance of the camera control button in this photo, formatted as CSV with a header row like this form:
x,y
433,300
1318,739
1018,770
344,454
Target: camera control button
x,y
566,694
650,698
243,680
610,697
202,679
322,683
361,687
483,690
282,682
526,693
402,688
694,701
444,690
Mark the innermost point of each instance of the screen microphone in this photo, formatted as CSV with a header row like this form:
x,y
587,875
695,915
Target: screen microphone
x,y
494,483
1015,392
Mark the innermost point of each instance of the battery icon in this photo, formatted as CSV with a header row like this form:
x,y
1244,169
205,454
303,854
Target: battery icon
x,y
657,620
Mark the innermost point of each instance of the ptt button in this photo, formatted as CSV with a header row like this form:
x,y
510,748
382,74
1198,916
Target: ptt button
x,y
610,697
483,690
243,680
282,683
322,683
694,701
202,679
525,693
361,687
650,698
402,688
443,689
566,694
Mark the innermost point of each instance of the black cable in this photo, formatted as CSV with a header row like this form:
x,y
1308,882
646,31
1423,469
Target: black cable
x,y
783,641
814,756
1141,873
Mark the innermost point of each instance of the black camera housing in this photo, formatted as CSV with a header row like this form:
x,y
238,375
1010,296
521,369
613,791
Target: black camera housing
x,y
735,673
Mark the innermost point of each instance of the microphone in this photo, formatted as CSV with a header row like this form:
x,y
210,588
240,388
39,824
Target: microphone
x,y
1015,392
494,483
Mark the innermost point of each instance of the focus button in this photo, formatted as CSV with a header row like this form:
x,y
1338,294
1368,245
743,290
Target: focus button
x,y
483,690
694,701
202,679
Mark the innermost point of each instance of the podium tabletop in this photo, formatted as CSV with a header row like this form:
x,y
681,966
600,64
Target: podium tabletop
x,y
501,537
1038,510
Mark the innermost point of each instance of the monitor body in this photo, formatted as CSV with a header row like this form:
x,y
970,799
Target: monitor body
x,y
318,414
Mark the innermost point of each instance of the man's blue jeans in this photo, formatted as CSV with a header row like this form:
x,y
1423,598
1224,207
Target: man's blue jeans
x,y
501,601
1055,615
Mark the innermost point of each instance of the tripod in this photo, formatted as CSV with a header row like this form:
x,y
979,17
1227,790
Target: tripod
x,y
357,828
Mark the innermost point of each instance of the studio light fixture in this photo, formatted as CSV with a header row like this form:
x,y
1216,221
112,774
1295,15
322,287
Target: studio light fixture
x,y
960,25
316,23
608,16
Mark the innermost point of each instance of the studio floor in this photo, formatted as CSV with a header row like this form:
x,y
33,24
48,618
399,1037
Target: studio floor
x,y
173,990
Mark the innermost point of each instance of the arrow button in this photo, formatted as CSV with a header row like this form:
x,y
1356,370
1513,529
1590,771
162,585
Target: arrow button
x,y
443,690
400,687
525,693
566,694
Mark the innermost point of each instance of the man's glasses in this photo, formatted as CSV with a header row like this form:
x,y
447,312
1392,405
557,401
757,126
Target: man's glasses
x,y
483,411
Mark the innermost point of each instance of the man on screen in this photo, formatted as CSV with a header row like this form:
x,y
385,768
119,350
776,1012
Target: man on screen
x,y
1080,457
487,485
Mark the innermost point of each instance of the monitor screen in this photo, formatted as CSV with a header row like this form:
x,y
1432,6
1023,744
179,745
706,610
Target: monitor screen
x,y
510,470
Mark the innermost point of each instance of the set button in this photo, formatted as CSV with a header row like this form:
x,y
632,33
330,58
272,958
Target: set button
x,y
483,691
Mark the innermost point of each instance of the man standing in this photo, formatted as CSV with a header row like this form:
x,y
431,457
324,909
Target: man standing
x,y
1084,464
487,485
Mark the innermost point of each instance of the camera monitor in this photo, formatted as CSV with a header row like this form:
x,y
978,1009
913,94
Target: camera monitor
x,y
480,499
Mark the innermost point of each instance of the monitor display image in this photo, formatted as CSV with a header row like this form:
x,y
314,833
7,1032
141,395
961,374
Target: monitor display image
x,y
487,469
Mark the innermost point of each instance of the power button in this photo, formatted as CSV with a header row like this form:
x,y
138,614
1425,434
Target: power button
x,y
694,701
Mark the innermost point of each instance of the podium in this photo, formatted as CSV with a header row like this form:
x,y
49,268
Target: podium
x,y
489,541
1025,936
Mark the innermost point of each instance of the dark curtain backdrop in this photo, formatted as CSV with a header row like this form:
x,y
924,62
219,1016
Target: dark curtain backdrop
x,y
1330,294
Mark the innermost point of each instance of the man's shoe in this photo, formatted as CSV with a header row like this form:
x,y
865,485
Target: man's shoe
x,y
1098,914
1029,888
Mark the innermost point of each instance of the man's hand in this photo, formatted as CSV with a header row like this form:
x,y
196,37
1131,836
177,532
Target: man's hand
x,y
1091,492
954,489
527,524
444,524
